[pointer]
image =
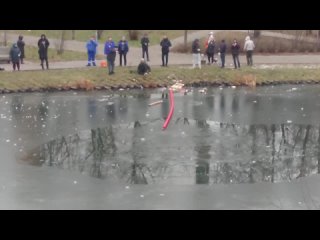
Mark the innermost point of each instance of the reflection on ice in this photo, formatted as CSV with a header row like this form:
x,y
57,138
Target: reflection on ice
x,y
223,136
212,153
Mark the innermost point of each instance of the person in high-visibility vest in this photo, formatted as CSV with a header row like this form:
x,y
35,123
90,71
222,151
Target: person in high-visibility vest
x,y
91,46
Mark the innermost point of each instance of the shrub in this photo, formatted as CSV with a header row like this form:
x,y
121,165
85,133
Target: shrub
x,y
133,34
263,44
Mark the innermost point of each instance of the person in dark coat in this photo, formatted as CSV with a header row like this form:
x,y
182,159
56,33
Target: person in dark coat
x,y
235,49
210,50
223,50
196,52
123,49
15,54
21,45
145,46
43,45
165,48
143,67
111,57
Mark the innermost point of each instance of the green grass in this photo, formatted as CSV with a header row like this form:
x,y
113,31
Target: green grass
x,y
155,36
159,76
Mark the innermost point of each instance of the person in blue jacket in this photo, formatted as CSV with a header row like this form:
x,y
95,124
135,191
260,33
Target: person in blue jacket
x,y
123,49
110,52
92,45
108,46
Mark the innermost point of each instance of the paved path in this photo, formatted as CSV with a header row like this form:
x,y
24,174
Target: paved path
x,y
259,60
134,54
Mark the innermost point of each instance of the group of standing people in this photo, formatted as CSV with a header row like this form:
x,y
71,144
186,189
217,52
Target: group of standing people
x,y
111,48
210,45
17,53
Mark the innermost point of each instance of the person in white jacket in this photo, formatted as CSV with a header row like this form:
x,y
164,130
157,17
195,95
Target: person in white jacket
x,y
248,48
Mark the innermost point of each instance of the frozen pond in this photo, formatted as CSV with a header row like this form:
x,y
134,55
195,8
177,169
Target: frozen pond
x,y
104,150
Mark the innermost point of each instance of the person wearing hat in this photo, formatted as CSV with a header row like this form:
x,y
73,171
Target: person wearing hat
x,y
143,68
15,54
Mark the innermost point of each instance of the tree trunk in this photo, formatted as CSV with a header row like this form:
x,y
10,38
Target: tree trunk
x,y
273,132
319,152
185,38
298,36
73,37
61,45
5,38
256,33
133,34
253,130
303,170
283,134
318,40
99,34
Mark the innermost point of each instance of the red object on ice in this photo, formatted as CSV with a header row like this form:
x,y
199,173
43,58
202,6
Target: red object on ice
x,y
171,98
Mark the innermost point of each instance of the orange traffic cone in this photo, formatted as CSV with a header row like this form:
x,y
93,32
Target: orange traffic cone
x,y
103,63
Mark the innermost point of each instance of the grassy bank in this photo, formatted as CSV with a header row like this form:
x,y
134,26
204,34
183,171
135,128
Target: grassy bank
x,y
90,78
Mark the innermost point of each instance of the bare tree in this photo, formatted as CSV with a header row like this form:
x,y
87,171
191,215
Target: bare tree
x,y
273,132
5,38
185,38
303,166
73,36
99,34
318,40
256,33
308,32
61,44
298,36
319,151
133,34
